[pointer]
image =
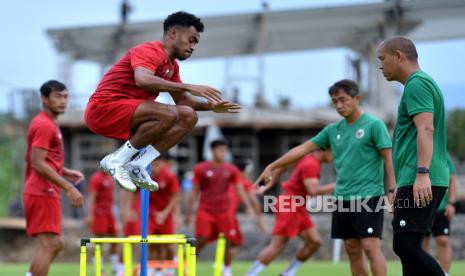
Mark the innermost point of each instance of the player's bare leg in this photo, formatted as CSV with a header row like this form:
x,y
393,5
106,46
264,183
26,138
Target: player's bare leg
x,y
354,250
180,120
313,242
48,247
372,248
444,252
268,254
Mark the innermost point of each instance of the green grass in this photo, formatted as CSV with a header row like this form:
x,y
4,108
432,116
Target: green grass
x,y
239,269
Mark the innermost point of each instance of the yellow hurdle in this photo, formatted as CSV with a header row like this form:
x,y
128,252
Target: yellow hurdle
x,y
186,248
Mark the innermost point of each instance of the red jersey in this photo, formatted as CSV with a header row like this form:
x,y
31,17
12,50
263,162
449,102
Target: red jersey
x,y
119,82
43,133
215,180
168,185
307,167
102,185
234,197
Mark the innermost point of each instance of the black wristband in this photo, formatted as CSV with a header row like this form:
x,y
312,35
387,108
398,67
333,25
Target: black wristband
x,y
393,190
422,170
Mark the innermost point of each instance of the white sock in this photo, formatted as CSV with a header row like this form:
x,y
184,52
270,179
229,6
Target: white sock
x,y
28,274
256,268
114,260
227,270
155,272
169,271
145,157
125,152
293,267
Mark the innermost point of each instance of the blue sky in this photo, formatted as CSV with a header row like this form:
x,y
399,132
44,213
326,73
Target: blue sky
x,y
28,57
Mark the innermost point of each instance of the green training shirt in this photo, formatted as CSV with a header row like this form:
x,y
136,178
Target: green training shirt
x,y
355,147
421,94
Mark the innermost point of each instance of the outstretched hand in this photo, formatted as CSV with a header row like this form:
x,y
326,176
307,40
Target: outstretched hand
x,y
211,94
225,107
266,180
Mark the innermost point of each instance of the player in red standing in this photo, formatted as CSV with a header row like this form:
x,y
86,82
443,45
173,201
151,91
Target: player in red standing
x,y
163,204
45,177
100,217
212,181
123,106
236,203
304,180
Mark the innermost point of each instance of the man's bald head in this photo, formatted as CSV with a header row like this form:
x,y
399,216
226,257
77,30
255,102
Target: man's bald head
x,y
402,44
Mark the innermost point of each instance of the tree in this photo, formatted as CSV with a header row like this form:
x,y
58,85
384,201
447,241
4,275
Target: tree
x,y
456,133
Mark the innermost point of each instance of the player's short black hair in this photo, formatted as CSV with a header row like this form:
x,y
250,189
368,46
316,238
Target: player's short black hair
x,y
350,87
403,44
184,19
217,143
241,164
51,85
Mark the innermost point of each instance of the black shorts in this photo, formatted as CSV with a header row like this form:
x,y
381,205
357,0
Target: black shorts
x,y
410,218
359,223
441,225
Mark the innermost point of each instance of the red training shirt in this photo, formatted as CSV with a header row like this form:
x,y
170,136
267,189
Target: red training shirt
x,y
119,82
215,180
168,185
307,167
102,185
234,197
43,133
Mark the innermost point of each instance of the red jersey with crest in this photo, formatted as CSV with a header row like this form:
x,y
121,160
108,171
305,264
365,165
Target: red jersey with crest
x,y
168,185
43,133
102,185
215,180
119,82
307,167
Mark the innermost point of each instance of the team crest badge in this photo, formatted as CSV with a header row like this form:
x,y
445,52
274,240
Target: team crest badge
x,y
360,133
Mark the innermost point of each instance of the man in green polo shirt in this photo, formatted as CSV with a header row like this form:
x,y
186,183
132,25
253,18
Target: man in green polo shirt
x,y
419,154
361,146
441,223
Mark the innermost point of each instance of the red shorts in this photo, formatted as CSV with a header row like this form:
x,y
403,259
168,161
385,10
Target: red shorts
x,y
103,224
111,118
209,226
132,228
43,215
161,229
237,239
290,224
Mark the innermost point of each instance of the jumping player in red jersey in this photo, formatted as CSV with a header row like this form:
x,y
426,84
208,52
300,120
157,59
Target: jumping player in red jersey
x,y
45,177
100,217
123,106
212,180
163,203
304,180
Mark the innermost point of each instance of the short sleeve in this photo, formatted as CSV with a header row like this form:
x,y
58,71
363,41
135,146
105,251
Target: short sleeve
x,y
381,137
418,97
43,137
94,182
248,186
451,165
146,56
322,138
309,169
197,175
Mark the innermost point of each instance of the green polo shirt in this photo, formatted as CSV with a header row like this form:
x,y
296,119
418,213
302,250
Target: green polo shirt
x,y
355,147
445,199
421,94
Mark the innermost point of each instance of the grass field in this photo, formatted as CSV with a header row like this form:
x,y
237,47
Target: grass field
x,y
239,269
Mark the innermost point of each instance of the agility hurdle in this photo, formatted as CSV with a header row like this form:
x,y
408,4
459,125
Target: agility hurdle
x,y
182,254
188,243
